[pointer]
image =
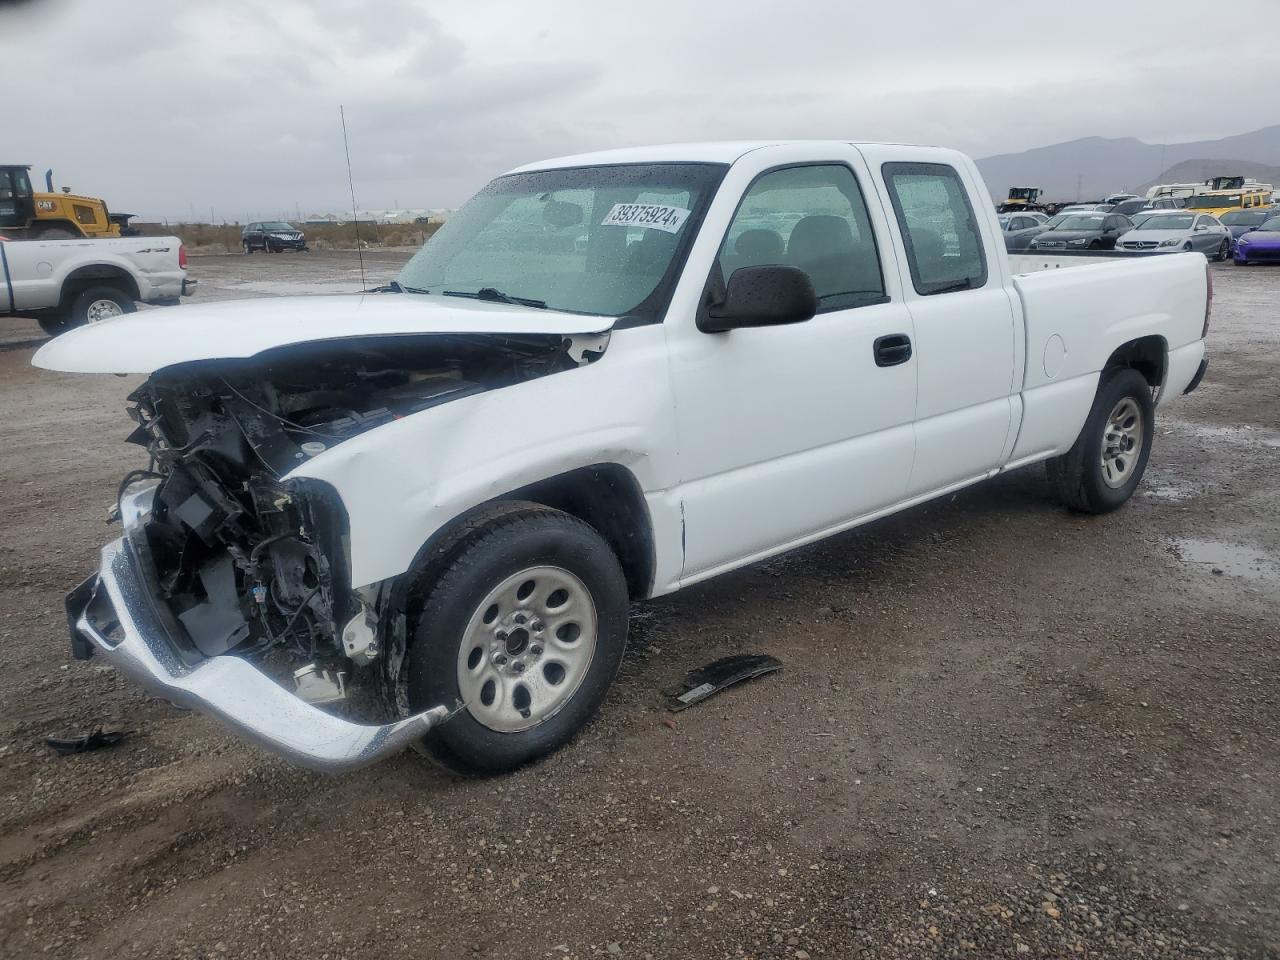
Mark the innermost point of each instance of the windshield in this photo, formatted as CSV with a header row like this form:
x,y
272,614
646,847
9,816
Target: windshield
x,y
606,240
1208,201
276,225
1246,218
1168,221
1080,223
1271,226
1055,220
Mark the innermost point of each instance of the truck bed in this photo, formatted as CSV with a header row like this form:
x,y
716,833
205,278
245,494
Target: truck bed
x,y
1075,309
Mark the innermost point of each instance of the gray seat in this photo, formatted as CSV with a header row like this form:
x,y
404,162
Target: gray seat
x,y
823,247
758,247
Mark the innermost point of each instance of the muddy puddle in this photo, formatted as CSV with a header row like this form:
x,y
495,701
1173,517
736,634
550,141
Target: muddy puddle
x,y
1223,559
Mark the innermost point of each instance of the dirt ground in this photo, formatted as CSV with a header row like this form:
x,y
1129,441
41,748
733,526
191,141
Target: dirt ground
x,y
1001,730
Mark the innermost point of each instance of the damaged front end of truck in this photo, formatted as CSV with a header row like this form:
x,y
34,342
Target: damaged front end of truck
x,y
230,567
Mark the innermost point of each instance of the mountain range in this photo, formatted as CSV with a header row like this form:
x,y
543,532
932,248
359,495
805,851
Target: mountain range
x,y
1092,167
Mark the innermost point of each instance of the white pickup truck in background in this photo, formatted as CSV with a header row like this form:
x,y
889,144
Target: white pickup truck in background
x,y
607,377
68,283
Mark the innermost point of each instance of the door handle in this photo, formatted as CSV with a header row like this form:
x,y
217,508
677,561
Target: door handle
x,y
892,349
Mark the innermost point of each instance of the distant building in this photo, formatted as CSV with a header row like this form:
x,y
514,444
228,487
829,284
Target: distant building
x,y
408,215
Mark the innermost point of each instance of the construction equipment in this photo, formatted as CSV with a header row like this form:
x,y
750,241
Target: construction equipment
x,y
28,215
1021,198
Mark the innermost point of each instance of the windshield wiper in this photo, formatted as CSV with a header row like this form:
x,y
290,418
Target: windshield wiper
x,y
395,286
495,295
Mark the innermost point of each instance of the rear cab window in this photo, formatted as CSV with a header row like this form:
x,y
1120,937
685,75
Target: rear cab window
x,y
944,246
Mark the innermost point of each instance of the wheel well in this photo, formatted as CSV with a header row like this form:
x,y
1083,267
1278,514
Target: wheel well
x,y
1147,355
608,497
98,274
604,495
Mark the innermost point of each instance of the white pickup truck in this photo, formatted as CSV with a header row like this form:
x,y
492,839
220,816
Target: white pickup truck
x,y
69,283
606,378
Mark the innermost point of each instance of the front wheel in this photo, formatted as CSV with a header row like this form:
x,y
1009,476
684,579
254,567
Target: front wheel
x,y
526,629
1105,464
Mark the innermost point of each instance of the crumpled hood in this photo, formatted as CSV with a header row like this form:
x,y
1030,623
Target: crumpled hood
x,y
153,339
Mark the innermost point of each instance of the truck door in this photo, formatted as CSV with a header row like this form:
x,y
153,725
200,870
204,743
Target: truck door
x,y
787,432
964,323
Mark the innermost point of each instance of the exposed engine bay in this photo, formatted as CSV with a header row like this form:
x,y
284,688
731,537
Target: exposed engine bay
x,y
248,561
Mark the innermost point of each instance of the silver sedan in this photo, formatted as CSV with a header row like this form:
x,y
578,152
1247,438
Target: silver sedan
x,y
1175,232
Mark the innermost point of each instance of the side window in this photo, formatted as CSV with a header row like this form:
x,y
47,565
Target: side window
x,y
944,247
814,218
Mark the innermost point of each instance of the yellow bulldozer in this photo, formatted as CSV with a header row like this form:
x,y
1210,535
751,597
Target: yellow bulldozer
x,y
28,215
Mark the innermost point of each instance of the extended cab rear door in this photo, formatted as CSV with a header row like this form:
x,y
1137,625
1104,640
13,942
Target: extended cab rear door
x,y
955,288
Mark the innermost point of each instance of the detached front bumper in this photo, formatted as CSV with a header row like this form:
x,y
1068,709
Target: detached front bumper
x,y
118,614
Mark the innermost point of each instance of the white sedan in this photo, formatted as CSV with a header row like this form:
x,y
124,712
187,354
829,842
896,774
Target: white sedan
x,y
1176,233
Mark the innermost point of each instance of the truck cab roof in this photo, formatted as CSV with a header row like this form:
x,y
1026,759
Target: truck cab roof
x,y
727,151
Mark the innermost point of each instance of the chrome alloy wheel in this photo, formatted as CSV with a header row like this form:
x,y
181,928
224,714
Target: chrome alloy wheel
x,y
1121,442
527,648
103,309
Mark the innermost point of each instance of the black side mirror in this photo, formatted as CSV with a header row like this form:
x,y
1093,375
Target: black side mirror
x,y
762,296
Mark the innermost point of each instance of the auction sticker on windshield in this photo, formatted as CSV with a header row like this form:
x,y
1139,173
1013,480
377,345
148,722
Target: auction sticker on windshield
x,y
656,216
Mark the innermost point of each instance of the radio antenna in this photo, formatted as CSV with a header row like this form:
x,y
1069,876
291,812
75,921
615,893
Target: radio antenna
x,y
355,214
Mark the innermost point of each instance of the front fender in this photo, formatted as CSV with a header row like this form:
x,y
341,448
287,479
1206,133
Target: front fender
x,y
402,482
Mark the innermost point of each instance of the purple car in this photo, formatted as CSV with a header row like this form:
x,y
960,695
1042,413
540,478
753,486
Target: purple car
x,y
1260,245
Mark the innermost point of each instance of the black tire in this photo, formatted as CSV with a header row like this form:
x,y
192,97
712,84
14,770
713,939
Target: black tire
x,y
247,249
78,313
1224,251
53,325
1077,475
1095,245
515,538
57,233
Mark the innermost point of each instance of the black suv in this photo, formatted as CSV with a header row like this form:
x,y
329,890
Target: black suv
x,y
272,236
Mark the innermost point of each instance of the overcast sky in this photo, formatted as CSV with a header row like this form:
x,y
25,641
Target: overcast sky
x,y
165,107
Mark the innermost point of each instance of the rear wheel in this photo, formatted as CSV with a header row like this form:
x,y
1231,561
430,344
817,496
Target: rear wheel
x,y
97,304
526,627
1224,251
1104,466
53,325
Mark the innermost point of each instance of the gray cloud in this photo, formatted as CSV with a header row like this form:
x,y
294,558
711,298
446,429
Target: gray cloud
x,y
173,107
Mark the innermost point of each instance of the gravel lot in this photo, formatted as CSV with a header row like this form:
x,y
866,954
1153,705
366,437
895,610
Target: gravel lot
x,y
1001,730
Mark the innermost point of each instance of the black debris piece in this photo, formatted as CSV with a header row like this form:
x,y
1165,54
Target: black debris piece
x,y
95,740
715,676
